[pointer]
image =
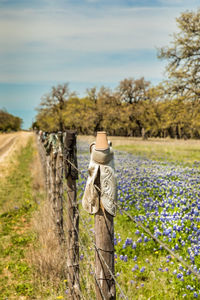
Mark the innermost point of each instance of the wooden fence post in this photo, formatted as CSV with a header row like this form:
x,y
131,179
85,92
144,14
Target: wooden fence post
x,y
58,200
55,180
71,175
104,255
104,240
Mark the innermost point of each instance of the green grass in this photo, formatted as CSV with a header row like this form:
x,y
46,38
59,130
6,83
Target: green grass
x,y
19,199
137,285
16,207
186,152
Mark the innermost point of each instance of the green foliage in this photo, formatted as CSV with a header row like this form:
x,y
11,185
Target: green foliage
x,y
154,115
183,58
9,122
135,108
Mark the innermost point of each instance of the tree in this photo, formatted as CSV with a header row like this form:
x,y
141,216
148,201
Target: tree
x,y
92,94
131,90
9,122
53,106
184,57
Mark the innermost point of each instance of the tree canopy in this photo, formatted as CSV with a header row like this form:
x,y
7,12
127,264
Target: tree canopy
x,y
184,58
9,122
135,107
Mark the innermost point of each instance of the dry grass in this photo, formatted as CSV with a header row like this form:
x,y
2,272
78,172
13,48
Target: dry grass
x,y
37,171
46,255
120,141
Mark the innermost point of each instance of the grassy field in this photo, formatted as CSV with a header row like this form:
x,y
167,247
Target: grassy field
x,y
184,151
16,205
187,152
165,195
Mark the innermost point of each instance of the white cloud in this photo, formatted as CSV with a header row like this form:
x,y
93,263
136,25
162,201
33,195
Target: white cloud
x,y
58,32
123,28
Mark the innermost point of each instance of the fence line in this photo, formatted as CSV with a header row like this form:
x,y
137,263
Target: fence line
x,y
54,163
97,249
85,251
99,253
73,220
82,246
149,233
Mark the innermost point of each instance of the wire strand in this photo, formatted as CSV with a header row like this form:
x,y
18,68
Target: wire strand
x,y
148,231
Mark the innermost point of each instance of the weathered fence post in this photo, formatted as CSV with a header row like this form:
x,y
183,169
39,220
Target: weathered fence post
x,y
71,175
58,200
104,240
53,146
104,255
99,199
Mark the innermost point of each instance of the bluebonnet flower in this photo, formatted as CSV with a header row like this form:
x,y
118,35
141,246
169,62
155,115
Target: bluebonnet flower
x,y
176,247
134,245
136,267
179,275
125,258
142,269
164,197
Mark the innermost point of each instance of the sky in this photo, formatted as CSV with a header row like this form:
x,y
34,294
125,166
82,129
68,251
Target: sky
x,y
86,43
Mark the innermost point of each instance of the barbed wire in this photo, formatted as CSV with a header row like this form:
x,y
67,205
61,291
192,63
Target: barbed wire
x,y
146,230
89,233
132,219
99,253
80,271
85,251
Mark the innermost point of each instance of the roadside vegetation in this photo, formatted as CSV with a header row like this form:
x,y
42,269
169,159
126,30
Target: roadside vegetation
x,y
8,122
30,264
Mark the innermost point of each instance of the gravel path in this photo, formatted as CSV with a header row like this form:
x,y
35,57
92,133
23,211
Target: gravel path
x,y
9,144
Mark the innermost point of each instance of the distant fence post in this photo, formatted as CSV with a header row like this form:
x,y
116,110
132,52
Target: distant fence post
x,y
58,200
71,174
54,179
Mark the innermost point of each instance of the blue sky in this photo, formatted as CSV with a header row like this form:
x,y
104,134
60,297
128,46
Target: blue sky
x,y
84,42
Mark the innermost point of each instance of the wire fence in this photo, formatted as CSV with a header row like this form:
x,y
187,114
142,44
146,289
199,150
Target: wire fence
x,y
59,151
120,207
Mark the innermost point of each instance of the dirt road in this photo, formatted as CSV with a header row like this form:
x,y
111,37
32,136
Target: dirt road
x,y
9,144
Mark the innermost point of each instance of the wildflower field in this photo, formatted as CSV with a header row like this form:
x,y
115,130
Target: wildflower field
x,y
164,196
161,192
